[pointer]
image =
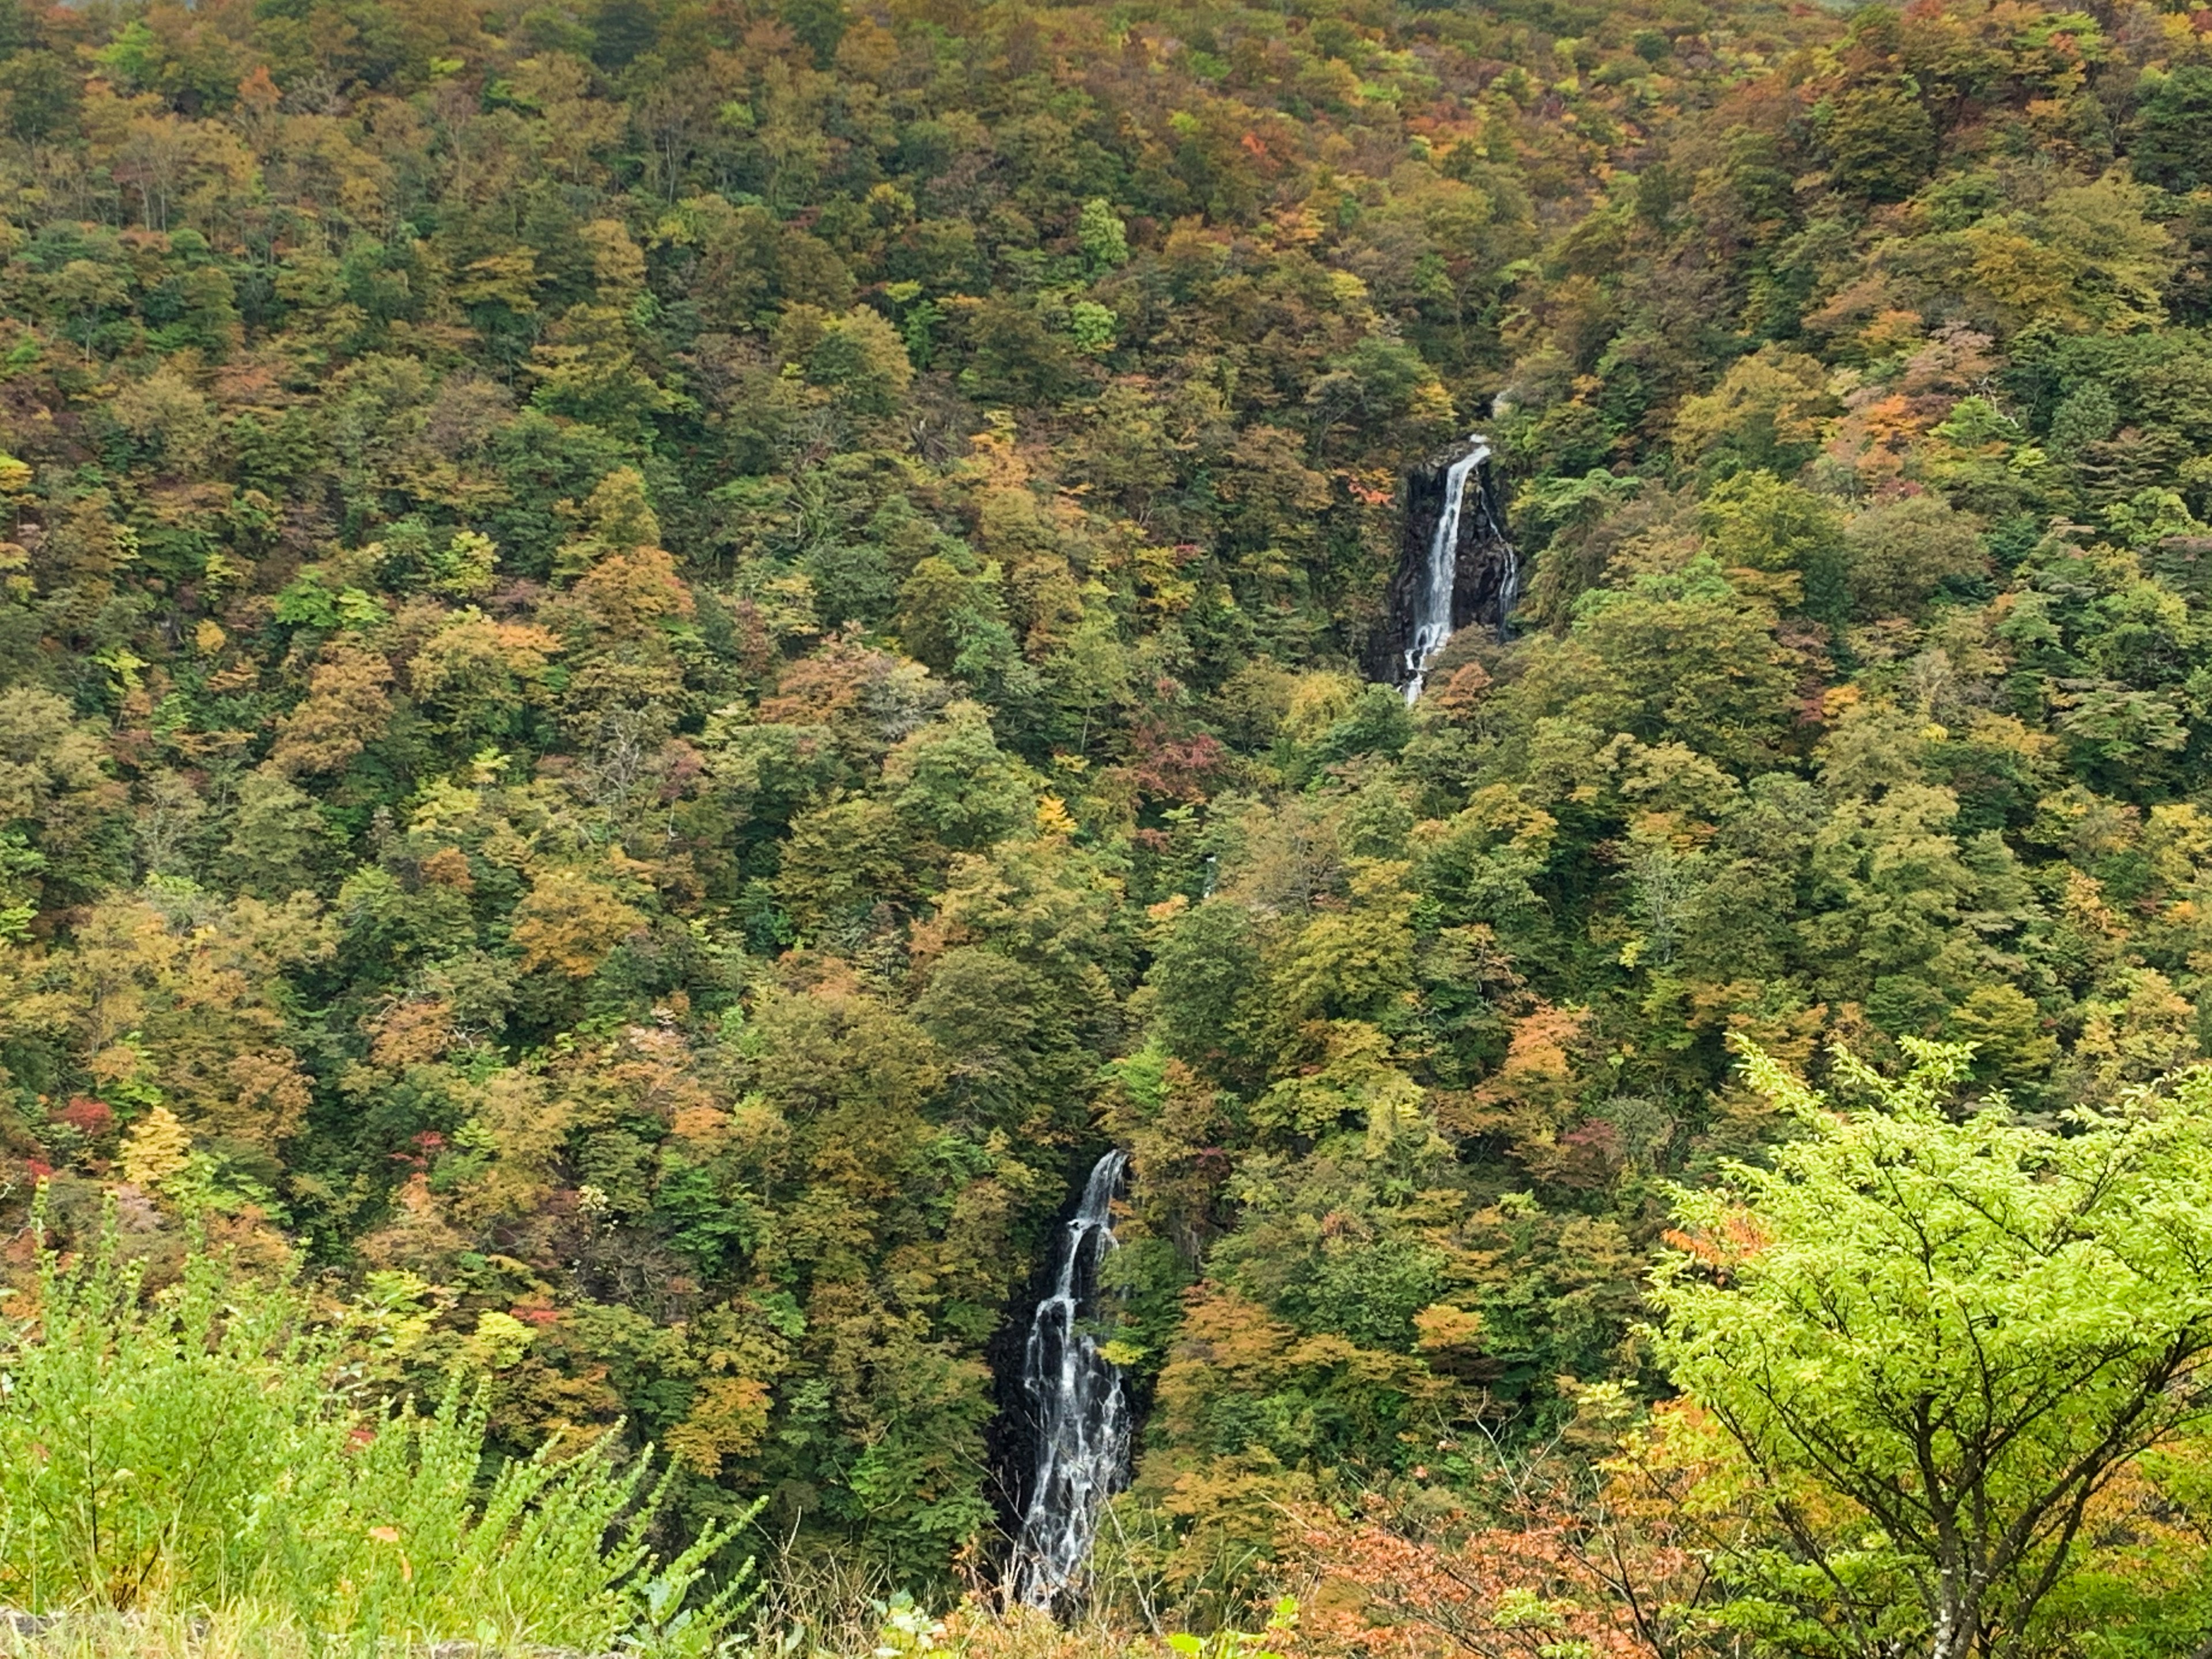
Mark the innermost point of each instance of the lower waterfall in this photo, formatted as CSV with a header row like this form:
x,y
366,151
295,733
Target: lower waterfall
x,y
1080,1411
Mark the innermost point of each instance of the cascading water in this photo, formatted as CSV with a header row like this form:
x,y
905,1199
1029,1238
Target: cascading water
x,y
1081,1413
1431,619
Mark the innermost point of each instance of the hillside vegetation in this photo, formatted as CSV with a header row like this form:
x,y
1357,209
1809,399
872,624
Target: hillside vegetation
x,y
661,659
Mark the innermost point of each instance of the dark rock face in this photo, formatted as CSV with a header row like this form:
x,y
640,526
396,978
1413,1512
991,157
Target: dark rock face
x,y
1486,567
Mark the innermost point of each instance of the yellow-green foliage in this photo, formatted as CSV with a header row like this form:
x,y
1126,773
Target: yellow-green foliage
x,y
201,1447
659,659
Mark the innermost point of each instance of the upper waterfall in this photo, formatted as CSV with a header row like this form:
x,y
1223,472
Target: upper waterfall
x,y
1431,617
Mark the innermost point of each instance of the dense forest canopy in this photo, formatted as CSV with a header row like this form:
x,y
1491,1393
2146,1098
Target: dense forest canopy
x,y
663,658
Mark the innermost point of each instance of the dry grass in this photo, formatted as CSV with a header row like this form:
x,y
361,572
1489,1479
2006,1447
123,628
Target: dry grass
x,y
851,1629
815,1605
237,1633
831,1606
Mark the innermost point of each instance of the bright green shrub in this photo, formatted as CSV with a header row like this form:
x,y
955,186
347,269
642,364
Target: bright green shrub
x,y
197,1448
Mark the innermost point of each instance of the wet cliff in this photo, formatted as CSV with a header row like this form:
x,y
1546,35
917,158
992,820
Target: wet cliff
x,y
1483,578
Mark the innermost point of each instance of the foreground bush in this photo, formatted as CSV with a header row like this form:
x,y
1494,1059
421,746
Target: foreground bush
x,y
189,1449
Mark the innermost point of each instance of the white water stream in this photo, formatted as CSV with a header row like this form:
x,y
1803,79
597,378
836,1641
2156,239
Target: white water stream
x,y
1430,624
1080,1412
1432,621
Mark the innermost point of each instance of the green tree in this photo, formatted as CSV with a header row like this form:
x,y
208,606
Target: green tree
x,y
1678,654
1901,552
1936,1342
1755,522
1880,139
1104,237
2173,146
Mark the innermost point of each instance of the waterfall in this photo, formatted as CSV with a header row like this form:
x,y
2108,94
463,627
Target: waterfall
x,y
1080,1411
1433,601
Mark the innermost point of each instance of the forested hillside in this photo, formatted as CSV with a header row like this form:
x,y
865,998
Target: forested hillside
x,y
660,659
